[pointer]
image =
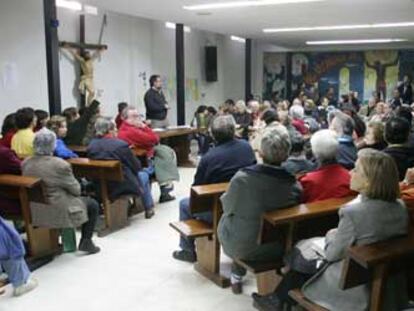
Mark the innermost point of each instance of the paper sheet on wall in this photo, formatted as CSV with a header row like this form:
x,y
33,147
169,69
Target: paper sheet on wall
x,y
10,77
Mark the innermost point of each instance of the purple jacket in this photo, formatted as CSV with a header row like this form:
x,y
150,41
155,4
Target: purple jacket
x,y
9,164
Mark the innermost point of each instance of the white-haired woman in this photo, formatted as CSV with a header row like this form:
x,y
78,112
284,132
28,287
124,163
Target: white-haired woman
x,y
298,113
253,191
66,208
330,180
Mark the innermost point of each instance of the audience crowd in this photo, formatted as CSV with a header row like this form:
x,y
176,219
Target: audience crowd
x,y
274,154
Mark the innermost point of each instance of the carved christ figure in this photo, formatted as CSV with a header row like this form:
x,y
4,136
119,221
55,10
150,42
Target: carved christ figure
x,y
86,60
380,69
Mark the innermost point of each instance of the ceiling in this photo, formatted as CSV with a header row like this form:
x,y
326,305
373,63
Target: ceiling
x,y
249,22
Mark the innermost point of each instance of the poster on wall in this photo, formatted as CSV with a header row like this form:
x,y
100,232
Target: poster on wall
x,y
169,87
274,74
359,71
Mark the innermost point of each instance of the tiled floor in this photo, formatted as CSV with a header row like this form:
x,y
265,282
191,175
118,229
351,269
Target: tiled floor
x,y
134,272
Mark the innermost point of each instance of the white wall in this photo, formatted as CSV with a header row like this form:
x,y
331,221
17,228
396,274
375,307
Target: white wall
x,y
23,78
136,46
117,71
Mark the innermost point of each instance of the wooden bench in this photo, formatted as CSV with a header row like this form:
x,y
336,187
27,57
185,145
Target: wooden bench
x,y
178,139
205,198
373,264
289,225
267,274
42,242
104,171
286,226
79,150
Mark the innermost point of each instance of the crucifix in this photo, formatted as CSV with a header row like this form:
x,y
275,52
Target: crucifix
x,y
80,52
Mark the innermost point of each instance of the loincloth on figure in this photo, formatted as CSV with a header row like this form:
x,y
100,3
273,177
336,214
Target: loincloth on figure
x,y
86,84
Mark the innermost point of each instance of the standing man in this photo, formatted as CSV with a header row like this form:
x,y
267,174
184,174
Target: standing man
x,y
156,104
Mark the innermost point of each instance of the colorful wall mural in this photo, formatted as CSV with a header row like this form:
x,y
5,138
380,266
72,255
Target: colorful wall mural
x,y
361,71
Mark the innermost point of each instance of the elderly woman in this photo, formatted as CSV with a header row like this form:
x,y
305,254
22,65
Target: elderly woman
x,y
330,180
106,146
374,137
57,124
253,191
12,260
376,215
243,120
66,208
297,113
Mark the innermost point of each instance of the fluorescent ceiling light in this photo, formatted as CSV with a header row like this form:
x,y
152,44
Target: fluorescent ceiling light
x,y
172,26
72,5
91,10
340,27
238,39
333,42
241,4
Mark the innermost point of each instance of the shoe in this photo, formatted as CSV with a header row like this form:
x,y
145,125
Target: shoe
x,y
88,246
237,288
267,303
187,256
166,197
149,213
25,288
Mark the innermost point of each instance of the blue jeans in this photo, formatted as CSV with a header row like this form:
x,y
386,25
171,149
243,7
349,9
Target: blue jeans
x,y
16,270
187,244
144,177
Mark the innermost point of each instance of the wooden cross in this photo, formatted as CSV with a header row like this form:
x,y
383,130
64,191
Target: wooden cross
x,y
82,46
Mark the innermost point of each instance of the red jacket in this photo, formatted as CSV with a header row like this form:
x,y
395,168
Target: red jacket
x,y
142,137
300,126
330,181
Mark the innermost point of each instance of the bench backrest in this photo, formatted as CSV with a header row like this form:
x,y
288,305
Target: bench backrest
x,y
397,254
110,170
302,221
202,197
10,186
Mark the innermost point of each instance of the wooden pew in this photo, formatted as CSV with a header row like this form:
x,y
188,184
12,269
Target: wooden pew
x,y
79,150
288,225
178,139
374,264
104,171
41,241
205,198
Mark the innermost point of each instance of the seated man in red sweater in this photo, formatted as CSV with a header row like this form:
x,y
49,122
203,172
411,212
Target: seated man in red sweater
x,y
136,133
330,180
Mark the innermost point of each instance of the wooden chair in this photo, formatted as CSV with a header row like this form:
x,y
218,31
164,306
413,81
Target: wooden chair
x,y
42,242
104,171
373,264
205,198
